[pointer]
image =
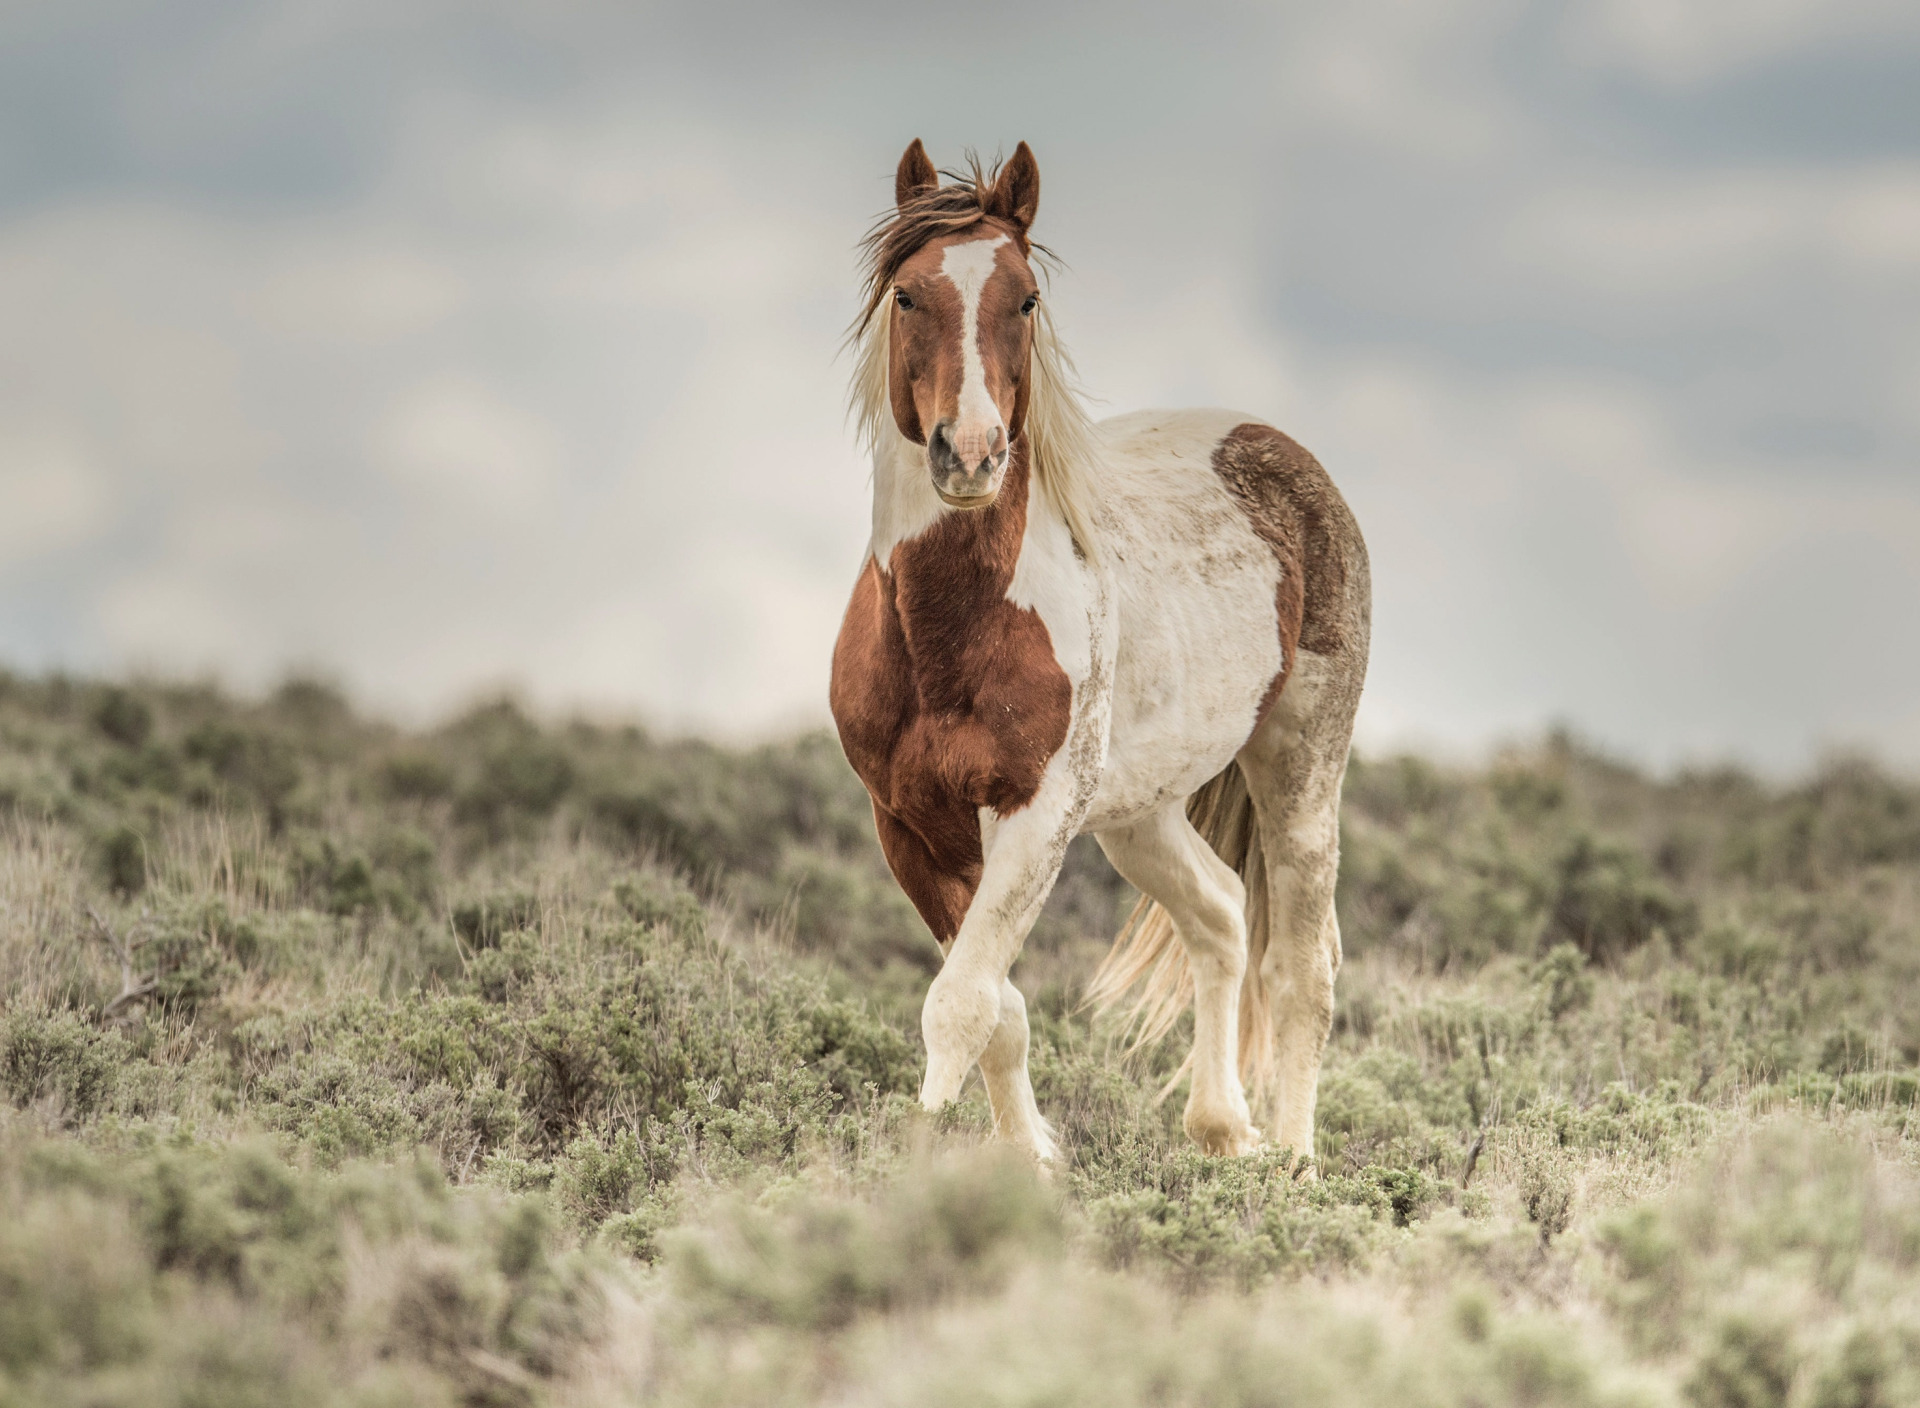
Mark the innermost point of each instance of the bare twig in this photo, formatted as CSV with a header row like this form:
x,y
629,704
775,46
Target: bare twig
x,y
130,991
1473,1158
1487,1122
128,995
504,1370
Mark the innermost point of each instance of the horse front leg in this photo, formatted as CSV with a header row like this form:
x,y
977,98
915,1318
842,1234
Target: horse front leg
x,y
973,1013
942,899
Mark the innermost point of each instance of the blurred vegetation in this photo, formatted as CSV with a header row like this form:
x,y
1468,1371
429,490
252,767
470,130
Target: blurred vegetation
x,y
517,1061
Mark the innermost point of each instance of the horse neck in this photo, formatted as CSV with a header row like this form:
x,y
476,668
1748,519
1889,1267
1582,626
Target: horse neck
x,y
939,557
912,527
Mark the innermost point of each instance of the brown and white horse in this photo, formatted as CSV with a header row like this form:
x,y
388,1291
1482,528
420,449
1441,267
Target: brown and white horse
x,y
1153,629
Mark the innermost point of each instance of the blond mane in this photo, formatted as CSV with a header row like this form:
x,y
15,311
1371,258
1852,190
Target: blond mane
x,y
1060,437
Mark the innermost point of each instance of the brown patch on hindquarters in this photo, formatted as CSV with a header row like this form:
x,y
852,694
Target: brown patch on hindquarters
x,y
1292,504
948,697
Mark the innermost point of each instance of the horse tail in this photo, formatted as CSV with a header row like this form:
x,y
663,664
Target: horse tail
x,y
1146,971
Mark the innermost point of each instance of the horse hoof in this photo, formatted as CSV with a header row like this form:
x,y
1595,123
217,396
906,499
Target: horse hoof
x,y
1046,1158
1229,1139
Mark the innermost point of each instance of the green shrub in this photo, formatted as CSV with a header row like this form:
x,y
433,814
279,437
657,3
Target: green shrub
x,y
56,1056
1563,980
1658,1123
339,1149
260,766
198,1274
75,1293
1748,1365
416,777
595,1178
124,717
121,855
1546,1191
522,780
952,1228
188,951
1862,1373
1245,1220
1608,902
656,901
484,922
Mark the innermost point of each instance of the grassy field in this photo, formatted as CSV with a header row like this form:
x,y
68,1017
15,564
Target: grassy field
x,y
521,1062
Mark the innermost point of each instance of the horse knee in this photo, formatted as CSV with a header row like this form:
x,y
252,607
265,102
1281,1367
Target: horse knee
x,y
957,1023
960,1015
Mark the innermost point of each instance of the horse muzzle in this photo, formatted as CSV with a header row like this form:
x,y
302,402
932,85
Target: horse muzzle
x,y
970,479
968,490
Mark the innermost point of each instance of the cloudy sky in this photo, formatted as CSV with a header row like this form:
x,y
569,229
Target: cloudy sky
x,y
441,346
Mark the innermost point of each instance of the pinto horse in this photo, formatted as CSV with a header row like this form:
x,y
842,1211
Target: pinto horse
x,y
1153,629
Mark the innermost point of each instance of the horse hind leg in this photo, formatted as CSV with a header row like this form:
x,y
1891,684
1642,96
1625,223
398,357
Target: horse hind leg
x,y
1295,766
1003,1067
1166,859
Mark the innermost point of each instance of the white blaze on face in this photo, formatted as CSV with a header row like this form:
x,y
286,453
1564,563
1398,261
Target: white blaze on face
x,y
969,266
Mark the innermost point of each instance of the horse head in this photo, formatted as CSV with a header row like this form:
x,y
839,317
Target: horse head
x,y
960,328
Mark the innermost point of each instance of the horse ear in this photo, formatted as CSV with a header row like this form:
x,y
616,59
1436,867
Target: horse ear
x,y
1016,195
915,176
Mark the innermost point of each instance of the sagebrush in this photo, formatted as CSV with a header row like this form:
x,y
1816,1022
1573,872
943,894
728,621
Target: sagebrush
x,y
521,1060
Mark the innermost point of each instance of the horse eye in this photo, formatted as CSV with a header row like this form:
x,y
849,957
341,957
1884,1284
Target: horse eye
x,y
900,298
1033,301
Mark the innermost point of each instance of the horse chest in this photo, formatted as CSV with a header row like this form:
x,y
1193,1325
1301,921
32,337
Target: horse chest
x,y
947,701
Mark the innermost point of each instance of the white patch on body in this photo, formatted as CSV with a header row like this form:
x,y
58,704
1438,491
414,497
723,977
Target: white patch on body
x,y
1172,645
1051,579
904,502
1194,587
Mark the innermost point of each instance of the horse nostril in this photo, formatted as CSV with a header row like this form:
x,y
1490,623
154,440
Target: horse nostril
x,y
996,451
940,447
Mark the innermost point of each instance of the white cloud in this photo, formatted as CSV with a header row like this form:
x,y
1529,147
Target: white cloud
x,y
469,449
382,291
1652,234
537,381
51,495
1876,218
1547,547
1412,77
661,510
117,323
1686,43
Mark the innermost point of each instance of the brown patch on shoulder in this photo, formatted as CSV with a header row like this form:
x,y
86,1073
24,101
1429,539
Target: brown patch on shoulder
x,y
1293,505
948,697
